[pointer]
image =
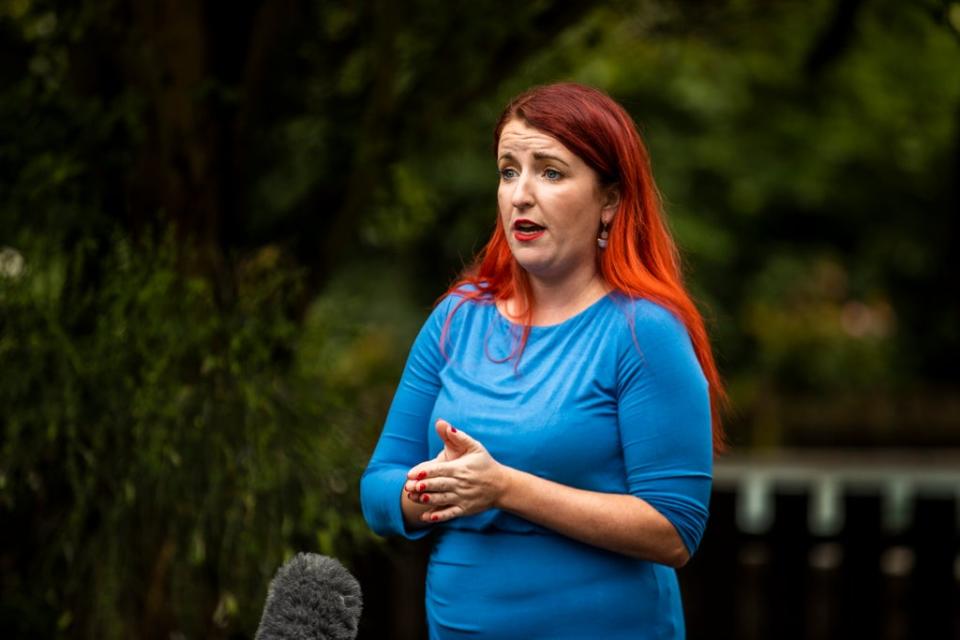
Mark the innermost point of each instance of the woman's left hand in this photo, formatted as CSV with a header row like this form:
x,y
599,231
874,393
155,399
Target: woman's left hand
x,y
467,484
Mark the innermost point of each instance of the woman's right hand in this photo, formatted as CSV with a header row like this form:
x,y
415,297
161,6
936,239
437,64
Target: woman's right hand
x,y
448,453
415,504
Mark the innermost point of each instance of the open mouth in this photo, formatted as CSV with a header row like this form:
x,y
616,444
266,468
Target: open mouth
x,y
527,230
527,227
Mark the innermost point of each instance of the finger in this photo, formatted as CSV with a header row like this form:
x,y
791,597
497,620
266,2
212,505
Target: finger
x,y
418,472
423,470
426,470
456,438
432,485
439,499
452,437
442,515
445,430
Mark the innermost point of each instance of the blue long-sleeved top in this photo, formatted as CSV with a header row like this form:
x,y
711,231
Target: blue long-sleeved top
x,y
610,400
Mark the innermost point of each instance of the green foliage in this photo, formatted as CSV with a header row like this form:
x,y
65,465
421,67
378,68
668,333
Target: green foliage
x,y
154,436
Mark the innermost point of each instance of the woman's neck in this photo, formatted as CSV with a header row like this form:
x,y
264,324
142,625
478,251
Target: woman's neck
x,y
557,300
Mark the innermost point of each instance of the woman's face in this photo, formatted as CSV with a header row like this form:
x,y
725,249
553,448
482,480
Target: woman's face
x,y
551,203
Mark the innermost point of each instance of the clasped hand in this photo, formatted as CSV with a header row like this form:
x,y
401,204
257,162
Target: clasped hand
x,y
462,480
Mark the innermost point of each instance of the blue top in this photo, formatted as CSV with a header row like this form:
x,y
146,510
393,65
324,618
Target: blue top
x,y
612,399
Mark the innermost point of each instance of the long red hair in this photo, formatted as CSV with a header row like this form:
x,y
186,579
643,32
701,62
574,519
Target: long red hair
x,y
641,259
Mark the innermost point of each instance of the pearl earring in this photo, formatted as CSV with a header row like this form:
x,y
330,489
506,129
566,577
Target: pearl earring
x,y
602,240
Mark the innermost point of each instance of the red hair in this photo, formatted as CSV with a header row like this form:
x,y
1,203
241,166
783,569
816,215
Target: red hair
x,y
641,259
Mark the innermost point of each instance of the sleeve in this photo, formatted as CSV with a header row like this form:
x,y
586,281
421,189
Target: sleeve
x,y
403,441
665,422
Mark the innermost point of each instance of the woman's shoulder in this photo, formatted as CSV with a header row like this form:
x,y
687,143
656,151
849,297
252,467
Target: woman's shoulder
x,y
658,339
461,295
651,330
645,314
458,303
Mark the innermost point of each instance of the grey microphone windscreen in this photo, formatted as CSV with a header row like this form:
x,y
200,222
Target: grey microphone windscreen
x,y
312,597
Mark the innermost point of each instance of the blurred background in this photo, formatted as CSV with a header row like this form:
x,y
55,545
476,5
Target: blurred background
x,y
221,225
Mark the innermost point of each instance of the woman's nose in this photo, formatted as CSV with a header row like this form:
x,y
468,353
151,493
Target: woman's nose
x,y
522,197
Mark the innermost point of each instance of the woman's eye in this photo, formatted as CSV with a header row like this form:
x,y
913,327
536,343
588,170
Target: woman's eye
x,y
508,173
552,174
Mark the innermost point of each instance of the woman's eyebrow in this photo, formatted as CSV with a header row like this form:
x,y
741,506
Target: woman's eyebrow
x,y
539,155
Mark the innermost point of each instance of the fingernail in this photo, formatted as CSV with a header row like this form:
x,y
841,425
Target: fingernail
x,y
453,428
422,486
410,495
434,518
421,475
426,498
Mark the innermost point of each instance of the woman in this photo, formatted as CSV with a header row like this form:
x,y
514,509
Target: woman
x,y
555,423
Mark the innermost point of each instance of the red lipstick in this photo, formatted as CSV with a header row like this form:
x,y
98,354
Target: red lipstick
x,y
525,230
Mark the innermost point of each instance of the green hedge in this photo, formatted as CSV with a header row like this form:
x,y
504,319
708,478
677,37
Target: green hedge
x,y
165,444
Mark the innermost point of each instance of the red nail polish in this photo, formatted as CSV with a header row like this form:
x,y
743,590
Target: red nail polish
x,y
421,475
434,518
453,428
410,495
422,486
426,498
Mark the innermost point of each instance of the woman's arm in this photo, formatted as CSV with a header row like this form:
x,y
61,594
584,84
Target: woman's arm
x,y
617,522
403,442
476,482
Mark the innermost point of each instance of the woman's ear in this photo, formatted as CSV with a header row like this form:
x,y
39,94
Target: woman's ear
x,y
611,200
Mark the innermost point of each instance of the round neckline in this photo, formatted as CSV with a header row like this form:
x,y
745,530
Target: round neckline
x,y
537,327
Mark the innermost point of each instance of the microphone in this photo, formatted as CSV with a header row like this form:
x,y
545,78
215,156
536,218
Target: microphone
x,y
312,597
